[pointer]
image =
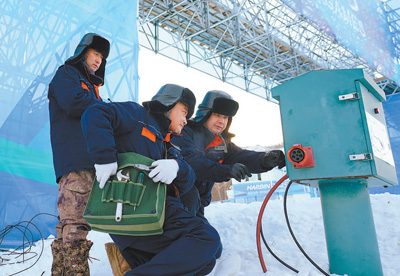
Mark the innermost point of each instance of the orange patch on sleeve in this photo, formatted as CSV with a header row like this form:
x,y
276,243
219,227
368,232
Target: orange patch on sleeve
x,y
147,133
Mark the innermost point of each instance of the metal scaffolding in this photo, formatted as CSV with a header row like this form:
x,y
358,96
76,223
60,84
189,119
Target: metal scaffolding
x,y
35,39
394,26
254,45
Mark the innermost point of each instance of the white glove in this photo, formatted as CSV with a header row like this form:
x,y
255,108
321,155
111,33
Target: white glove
x,y
165,170
104,171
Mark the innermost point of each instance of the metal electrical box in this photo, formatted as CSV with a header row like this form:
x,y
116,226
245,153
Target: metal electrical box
x,y
334,128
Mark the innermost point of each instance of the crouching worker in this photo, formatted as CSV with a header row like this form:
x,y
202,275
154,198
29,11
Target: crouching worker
x,y
206,145
188,244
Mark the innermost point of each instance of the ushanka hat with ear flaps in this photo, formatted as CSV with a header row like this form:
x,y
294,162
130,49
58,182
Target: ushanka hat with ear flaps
x,y
168,96
216,102
91,41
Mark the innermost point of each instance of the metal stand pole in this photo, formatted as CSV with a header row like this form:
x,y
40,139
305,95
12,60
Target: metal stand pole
x,y
349,228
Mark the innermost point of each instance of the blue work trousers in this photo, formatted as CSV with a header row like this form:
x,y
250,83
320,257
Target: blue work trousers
x,y
186,248
191,201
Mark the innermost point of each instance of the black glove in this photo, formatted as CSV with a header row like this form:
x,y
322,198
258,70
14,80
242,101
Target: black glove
x,y
273,158
239,171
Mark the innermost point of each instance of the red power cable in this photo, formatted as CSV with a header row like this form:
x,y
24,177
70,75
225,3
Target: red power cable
x,y
260,218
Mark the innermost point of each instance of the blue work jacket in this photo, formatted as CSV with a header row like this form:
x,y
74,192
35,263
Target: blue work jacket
x,y
211,156
70,94
112,128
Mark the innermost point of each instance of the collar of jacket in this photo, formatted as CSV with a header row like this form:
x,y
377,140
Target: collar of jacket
x,y
94,79
163,123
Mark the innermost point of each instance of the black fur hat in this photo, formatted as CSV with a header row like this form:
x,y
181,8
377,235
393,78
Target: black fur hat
x,y
91,41
168,96
216,102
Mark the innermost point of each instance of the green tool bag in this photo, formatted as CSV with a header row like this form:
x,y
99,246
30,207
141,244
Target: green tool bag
x,y
142,201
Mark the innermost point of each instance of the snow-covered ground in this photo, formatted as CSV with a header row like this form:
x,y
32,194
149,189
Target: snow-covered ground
x,y
236,224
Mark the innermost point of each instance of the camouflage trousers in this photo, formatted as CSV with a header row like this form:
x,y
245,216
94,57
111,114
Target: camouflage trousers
x,y
74,189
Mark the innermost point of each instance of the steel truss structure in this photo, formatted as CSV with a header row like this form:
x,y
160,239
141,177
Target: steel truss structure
x,y
36,38
252,44
394,25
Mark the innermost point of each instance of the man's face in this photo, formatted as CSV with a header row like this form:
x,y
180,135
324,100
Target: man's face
x,y
177,115
93,59
217,123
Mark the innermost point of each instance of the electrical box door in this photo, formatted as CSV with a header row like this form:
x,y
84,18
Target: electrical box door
x,y
334,128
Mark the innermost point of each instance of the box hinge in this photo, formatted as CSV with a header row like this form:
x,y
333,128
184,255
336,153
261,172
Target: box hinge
x,y
349,97
360,157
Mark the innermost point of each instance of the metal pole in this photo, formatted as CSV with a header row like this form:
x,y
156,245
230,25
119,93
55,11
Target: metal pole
x,y
349,228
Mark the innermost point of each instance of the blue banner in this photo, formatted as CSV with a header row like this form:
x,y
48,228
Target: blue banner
x,y
360,25
36,37
262,188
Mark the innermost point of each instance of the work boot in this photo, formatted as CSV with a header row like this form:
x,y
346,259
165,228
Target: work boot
x,y
118,264
57,268
76,255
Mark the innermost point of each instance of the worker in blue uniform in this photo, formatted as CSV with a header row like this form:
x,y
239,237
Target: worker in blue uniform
x,y
188,244
206,145
74,87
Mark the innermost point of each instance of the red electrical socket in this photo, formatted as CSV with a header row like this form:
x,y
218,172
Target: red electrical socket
x,y
301,157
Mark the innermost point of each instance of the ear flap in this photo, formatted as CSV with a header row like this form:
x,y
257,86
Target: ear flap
x,y
225,106
155,106
189,100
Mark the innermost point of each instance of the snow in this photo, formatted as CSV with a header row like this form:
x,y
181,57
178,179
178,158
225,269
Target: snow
x,y
236,224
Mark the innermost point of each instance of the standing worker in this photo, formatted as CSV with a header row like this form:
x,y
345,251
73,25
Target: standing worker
x,y
206,145
72,90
